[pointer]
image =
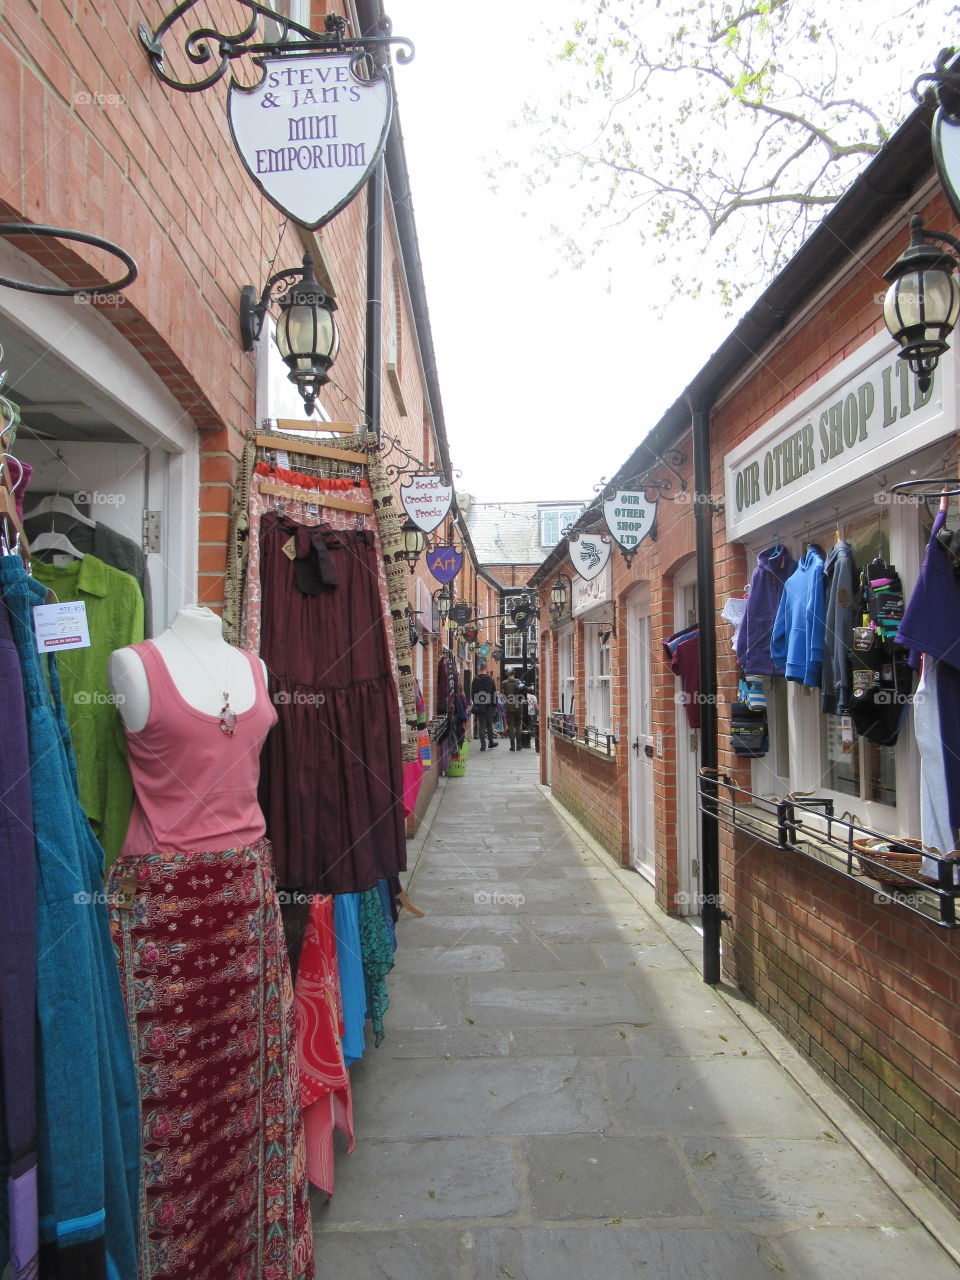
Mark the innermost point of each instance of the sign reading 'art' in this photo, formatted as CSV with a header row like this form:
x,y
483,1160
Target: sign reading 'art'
x,y
310,132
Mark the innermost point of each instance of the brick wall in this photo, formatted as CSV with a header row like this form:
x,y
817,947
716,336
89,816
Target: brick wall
x,y
869,991
587,787
91,139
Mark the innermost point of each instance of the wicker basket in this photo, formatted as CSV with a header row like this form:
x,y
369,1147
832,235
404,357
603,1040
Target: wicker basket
x,y
890,861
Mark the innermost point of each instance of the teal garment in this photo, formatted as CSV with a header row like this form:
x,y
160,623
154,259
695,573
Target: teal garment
x,y
376,952
353,996
88,1108
115,618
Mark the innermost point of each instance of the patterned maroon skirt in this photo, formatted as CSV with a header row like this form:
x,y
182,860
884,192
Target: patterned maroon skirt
x,y
206,982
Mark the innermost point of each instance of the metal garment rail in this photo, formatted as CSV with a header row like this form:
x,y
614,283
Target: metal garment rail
x,y
807,825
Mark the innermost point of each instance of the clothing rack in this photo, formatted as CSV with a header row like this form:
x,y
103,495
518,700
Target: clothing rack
x,y
292,424
313,497
13,534
941,483
282,444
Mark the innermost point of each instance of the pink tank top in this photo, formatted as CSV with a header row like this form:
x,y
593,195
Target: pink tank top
x,y
196,787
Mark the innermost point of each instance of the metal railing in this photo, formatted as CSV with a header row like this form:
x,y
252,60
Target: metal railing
x,y
565,726
808,825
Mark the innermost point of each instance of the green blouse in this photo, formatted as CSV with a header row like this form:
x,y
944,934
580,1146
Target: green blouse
x,y
115,618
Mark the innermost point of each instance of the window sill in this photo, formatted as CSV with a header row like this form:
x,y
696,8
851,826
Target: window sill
x,y
586,748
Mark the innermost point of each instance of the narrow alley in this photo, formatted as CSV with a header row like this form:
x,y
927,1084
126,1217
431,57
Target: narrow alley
x,y
559,1096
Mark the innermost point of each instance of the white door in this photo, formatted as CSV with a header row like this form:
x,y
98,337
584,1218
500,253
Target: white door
x,y
688,764
642,747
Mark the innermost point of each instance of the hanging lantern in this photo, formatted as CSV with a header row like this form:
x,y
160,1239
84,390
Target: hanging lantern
x,y
413,542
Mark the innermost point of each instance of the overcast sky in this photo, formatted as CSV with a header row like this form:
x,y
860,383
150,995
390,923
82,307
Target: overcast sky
x,y
549,376
548,380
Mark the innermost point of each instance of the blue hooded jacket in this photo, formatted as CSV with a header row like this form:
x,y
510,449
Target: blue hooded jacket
x,y
774,567
796,645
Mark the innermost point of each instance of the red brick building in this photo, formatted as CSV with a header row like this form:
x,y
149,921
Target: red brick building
x,y
862,981
142,399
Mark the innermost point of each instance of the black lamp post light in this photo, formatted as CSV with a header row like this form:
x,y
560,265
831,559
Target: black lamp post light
x,y
560,595
443,600
413,542
307,334
923,302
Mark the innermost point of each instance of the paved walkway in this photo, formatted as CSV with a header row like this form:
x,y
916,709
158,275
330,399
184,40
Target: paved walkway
x,y
560,1097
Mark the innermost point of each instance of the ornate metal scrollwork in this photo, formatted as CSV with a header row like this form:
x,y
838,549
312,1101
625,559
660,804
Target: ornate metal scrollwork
x,y
946,83
409,464
204,45
666,487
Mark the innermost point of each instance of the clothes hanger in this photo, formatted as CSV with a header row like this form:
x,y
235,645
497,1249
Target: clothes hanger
x,y
56,503
50,540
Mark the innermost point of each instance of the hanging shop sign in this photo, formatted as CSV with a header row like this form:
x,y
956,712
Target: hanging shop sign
x,y
593,598
630,518
863,416
310,133
470,634
483,650
444,563
426,500
522,616
461,613
497,655
946,155
311,130
589,553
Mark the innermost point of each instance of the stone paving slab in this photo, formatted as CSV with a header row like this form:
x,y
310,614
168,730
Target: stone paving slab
x,y
868,1253
618,1252
583,1176
551,999
819,1181
449,1098
560,1097
749,1097
393,1181
522,956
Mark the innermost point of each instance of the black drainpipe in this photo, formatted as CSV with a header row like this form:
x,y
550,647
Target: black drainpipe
x,y
709,831
374,330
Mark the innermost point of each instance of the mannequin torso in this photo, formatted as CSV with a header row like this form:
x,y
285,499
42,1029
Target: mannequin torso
x,y
202,666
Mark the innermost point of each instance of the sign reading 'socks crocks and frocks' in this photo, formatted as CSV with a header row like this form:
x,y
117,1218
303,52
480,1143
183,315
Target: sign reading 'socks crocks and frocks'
x,y
310,132
426,500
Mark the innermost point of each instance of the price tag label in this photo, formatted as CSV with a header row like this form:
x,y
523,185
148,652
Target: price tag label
x,y
61,626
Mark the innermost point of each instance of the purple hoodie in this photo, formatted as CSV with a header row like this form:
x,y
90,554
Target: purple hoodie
x,y
774,567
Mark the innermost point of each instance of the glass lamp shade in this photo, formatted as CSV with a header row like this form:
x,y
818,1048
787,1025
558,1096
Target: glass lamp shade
x,y
307,335
922,305
558,595
444,603
413,542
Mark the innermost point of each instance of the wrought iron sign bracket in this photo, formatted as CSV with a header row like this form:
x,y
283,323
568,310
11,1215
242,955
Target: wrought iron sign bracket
x,y
204,44
670,460
945,80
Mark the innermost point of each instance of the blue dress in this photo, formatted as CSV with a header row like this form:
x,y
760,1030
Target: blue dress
x,y
88,1106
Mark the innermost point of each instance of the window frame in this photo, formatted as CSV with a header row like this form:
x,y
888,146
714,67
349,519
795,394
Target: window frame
x,y
805,760
572,512
598,682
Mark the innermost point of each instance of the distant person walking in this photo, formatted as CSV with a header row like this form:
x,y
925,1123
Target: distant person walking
x,y
515,694
484,695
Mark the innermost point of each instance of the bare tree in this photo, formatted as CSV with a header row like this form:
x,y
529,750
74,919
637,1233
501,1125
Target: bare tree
x,y
723,129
